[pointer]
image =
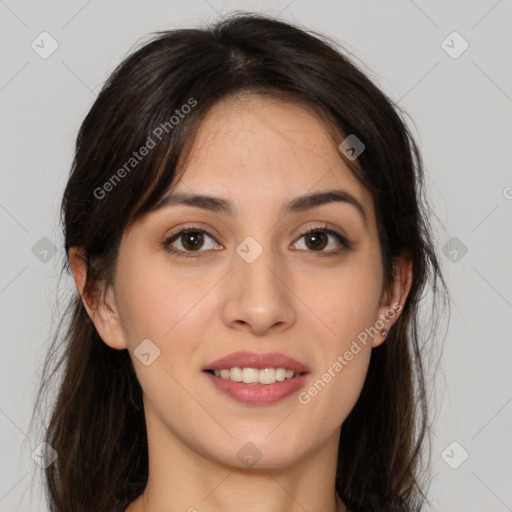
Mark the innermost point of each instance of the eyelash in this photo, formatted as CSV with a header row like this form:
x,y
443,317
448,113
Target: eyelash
x,y
345,244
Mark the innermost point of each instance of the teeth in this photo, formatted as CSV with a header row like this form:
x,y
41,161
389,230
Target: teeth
x,y
280,374
234,374
266,376
250,375
253,375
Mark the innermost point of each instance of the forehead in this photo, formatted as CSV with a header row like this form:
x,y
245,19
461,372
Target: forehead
x,y
264,145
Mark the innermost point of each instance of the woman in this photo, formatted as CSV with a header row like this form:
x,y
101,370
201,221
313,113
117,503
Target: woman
x,y
245,227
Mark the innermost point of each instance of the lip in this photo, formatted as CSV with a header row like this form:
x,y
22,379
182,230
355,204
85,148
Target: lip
x,y
260,361
258,394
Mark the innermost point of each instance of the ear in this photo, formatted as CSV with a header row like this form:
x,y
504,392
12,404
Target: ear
x,y
393,301
104,314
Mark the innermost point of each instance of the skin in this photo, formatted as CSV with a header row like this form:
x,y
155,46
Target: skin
x,y
258,153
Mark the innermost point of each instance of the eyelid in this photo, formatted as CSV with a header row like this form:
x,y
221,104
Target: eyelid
x,y
345,243
196,226
325,226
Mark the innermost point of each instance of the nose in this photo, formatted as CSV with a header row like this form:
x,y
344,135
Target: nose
x,y
259,296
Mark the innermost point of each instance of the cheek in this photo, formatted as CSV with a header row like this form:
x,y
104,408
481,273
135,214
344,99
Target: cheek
x,y
347,303
159,304
342,358
153,301
347,300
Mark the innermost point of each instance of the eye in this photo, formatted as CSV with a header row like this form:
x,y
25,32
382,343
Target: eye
x,y
316,239
190,239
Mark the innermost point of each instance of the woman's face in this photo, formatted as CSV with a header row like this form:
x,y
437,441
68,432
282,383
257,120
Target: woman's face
x,y
253,282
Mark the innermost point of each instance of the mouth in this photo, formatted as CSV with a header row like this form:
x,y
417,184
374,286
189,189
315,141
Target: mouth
x,y
255,378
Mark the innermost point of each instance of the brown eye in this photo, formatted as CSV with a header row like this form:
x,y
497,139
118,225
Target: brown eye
x,y
192,240
316,240
189,241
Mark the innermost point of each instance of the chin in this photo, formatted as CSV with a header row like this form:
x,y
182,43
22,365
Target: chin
x,y
261,452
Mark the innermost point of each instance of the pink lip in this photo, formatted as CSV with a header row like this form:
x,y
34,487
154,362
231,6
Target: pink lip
x,y
258,394
244,359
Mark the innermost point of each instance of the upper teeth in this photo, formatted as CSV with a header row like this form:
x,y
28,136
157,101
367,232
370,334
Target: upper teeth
x,y
253,375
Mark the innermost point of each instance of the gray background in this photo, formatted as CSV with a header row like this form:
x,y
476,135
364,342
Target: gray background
x,y
462,112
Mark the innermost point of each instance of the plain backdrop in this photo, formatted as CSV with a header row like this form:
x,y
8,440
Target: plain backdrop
x,y
456,87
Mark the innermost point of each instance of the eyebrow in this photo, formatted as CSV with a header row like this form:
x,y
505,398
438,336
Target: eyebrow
x,y
296,205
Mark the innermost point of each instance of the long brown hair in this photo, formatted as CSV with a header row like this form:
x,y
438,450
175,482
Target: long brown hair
x,y
97,423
